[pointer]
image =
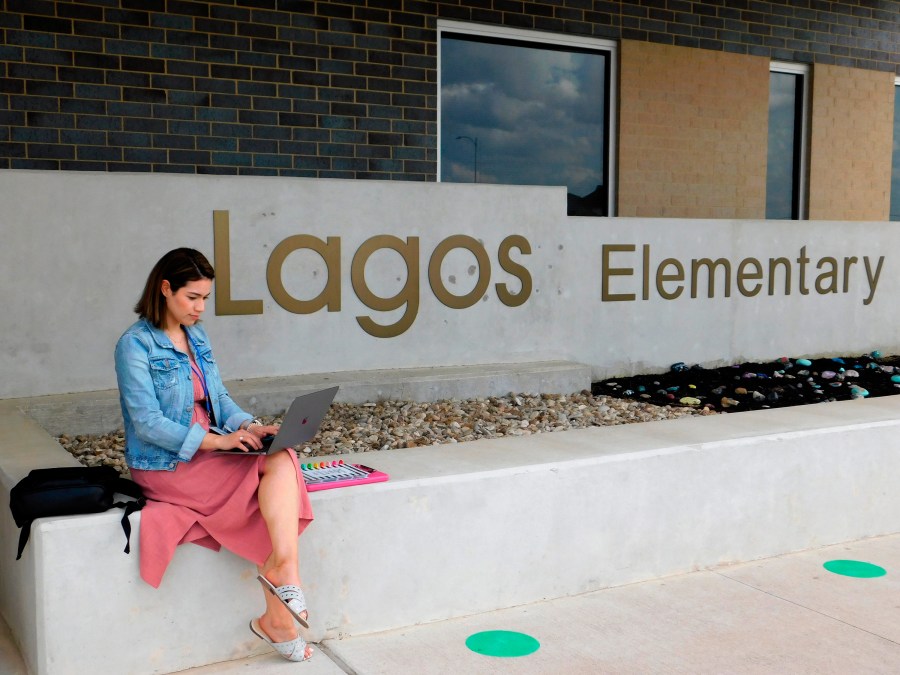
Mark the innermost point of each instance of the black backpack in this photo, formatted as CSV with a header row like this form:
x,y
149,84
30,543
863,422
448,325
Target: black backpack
x,y
71,490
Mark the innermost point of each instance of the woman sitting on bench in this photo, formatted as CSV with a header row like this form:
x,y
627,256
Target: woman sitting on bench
x,y
171,394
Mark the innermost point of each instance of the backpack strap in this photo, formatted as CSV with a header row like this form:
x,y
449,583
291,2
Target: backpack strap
x,y
23,538
130,489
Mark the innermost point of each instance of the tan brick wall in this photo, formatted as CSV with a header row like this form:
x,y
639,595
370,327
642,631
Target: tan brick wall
x,y
693,126
851,135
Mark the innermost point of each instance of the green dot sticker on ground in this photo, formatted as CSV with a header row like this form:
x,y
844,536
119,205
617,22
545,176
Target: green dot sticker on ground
x,y
502,643
854,568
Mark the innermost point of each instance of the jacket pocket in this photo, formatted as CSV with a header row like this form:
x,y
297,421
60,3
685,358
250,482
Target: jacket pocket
x,y
164,372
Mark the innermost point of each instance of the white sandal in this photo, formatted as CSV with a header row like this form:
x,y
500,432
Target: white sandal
x,y
291,597
292,650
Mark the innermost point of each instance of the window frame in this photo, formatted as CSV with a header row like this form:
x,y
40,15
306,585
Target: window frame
x,y
558,39
801,175
894,141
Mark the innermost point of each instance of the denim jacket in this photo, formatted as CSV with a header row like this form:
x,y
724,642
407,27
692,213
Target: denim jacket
x,y
157,396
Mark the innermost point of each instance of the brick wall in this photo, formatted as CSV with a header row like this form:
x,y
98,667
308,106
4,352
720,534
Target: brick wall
x,y
328,89
692,133
851,137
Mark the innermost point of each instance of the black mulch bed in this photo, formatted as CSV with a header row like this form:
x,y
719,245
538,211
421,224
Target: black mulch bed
x,y
752,386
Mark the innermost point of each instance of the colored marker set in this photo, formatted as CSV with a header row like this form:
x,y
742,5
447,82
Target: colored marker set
x,y
326,475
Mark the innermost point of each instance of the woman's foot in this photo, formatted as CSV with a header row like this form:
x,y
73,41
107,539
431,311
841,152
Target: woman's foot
x,y
279,634
287,595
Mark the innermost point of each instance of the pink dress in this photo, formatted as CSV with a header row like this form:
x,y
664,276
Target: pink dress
x,y
210,501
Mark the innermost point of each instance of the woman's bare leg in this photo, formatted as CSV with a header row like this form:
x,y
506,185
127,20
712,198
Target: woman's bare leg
x,y
279,503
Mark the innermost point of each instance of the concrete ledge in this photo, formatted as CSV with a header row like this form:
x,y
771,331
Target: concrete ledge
x,y
98,412
473,527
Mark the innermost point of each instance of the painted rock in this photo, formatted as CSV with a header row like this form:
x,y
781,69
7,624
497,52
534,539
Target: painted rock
x,y
741,391
851,373
828,374
689,400
679,367
804,362
729,402
858,392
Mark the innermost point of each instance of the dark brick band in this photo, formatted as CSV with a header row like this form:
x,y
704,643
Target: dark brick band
x,y
331,89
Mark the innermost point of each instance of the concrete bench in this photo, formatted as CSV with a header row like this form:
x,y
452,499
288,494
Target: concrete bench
x,y
461,529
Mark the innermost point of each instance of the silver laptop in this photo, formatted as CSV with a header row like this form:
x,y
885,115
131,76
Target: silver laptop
x,y
300,425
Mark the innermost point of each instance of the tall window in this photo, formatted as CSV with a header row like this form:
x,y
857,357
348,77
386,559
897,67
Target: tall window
x,y
786,171
524,108
895,156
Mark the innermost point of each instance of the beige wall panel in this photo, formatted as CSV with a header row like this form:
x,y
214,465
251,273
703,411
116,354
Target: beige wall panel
x,y
851,136
693,128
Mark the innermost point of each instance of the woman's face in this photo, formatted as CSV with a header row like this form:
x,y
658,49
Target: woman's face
x,y
185,306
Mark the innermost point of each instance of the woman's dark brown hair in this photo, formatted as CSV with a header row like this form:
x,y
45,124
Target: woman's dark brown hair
x,y
178,267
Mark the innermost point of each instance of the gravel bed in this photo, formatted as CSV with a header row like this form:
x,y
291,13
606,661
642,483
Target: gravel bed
x,y
353,428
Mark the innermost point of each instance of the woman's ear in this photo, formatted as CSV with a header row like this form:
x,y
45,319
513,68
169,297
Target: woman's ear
x,y
166,288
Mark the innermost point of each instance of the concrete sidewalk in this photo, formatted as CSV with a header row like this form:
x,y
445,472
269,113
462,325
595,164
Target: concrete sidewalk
x,y
786,614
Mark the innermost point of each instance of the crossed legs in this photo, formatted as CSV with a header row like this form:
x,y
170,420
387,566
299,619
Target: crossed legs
x,y
279,503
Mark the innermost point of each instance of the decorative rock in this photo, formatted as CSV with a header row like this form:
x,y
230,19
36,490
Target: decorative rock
x,y
858,392
353,428
757,396
804,362
895,378
851,373
729,402
876,354
749,376
741,391
689,400
828,374
679,367
838,360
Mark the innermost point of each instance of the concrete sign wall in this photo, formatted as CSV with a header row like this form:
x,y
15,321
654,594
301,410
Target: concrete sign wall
x,y
321,275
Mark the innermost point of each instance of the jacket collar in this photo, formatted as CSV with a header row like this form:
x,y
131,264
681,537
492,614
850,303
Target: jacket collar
x,y
197,335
